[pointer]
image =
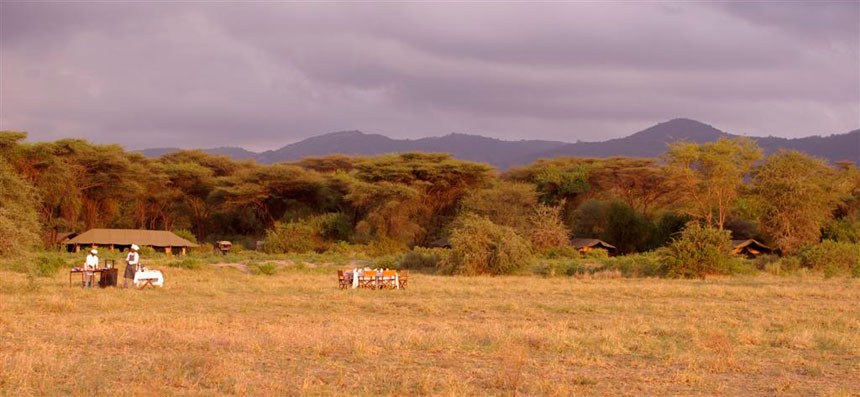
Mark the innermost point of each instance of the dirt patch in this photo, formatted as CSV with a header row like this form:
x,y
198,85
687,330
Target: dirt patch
x,y
239,266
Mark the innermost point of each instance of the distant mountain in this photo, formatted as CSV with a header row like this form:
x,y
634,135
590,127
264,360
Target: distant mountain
x,y
497,152
235,153
650,142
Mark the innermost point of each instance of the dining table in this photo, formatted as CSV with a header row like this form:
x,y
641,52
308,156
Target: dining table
x,y
359,272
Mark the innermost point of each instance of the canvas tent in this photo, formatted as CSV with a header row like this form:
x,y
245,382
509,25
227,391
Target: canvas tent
x,y
160,240
750,248
61,238
588,244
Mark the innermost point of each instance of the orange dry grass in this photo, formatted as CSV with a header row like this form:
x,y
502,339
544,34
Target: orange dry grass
x,y
218,331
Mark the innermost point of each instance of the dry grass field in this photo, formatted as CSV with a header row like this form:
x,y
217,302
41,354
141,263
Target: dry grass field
x,y
219,331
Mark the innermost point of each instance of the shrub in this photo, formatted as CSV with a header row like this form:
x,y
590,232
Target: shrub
x,y
187,263
479,246
335,226
422,258
697,252
596,253
833,258
625,228
47,265
546,230
312,234
565,251
293,237
386,246
186,234
266,269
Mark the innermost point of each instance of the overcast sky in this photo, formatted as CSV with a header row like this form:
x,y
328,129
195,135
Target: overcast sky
x,y
263,75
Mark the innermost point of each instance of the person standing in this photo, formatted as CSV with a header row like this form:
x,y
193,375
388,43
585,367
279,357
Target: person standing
x,y
132,265
91,263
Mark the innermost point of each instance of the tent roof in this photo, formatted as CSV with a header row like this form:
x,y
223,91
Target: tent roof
x,y
156,238
744,243
61,237
590,242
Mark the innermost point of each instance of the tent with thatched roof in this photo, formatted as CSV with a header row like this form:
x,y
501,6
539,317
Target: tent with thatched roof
x,y
161,240
588,244
750,248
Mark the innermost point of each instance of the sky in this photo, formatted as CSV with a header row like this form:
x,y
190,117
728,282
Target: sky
x,y
262,75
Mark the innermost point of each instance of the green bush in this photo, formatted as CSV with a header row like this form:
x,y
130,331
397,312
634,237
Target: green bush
x,y
479,246
596,253
266,269
832,258
422,258
697,252
634,265
335,226
186,234
386,246
47,265
187,263
846,230
565,251
294,237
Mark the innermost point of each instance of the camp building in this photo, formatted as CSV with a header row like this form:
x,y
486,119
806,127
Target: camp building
x,y
121,239
750,248
587,244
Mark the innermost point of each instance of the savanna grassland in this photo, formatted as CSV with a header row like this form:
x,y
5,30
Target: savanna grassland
x,y
218,330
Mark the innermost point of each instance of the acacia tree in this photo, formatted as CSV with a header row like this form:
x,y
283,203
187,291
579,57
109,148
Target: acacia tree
x,y
19,225
504,203
798,194
709,176
641,183
387,211
440,181
275,192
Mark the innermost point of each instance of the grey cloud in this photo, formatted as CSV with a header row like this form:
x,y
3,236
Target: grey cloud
x,y
262,75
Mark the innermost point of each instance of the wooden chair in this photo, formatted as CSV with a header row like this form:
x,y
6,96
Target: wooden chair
x,y
343,281
404,277
388,279
367,279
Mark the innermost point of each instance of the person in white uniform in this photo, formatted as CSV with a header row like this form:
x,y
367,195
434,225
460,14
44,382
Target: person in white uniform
x,y
132,265
91,263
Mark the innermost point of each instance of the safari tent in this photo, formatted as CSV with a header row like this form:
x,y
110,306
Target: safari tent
x,y
160,240
587,244
61,238
749,248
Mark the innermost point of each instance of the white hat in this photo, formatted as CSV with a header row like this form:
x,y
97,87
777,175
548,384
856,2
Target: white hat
x,y
135,247
94,251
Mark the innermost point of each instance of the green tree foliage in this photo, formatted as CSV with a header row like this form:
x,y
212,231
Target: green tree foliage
x,y
798,194
19,223
479,246
312,234
618,224
394,202
440,181
504,203
546,230
387,211
626,230
697,252
709,176
832,258
276,190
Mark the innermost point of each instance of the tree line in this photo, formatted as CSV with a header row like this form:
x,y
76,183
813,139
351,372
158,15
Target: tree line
x,y
786,199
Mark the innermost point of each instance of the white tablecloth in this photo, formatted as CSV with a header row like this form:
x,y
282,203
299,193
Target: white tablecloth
x,y
139,277
356,273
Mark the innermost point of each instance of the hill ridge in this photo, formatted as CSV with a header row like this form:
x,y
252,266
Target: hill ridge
x,y
503,154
